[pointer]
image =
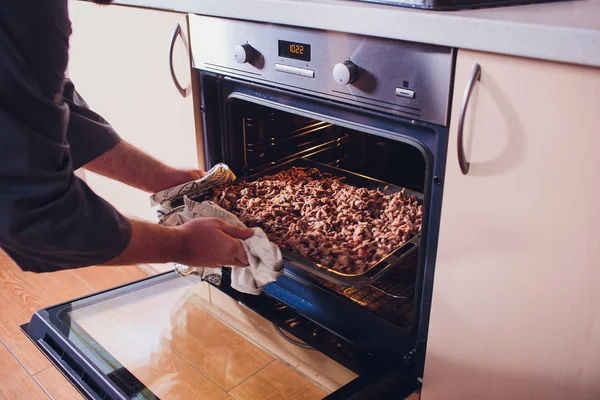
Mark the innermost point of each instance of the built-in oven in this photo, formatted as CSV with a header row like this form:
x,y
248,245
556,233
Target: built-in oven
x,y
270,98
371,110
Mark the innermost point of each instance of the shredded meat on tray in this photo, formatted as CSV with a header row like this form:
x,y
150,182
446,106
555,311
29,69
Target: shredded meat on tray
x,y
317,215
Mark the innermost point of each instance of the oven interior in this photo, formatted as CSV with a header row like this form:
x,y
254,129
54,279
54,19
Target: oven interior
x,y
261,138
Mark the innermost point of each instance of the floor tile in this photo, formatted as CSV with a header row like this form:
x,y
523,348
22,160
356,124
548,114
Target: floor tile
x,y
313,364
151,360
277,382
216,350
170,319
56,385
15,382
102,277
23,293
148,325
171,377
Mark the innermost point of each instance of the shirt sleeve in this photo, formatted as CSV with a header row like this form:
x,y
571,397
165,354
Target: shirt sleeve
x,y
89,135
49,218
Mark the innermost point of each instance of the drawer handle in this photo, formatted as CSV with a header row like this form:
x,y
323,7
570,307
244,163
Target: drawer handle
x,y
462,160
176,33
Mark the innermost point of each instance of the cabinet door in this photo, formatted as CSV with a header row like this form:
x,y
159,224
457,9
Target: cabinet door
x,y
516,306
119,62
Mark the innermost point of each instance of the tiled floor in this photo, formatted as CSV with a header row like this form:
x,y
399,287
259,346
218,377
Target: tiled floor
x,y
212,363
276,381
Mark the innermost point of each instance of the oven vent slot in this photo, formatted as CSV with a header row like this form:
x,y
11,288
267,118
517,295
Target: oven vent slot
x,y
416,112
228,70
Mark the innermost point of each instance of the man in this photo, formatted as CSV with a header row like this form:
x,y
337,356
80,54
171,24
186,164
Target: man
x,y
49,218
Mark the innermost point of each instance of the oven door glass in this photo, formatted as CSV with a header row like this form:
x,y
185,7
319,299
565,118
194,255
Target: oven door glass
x,y
157,338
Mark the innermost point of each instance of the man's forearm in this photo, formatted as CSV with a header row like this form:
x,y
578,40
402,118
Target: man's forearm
x,y
133,167
199,242
150,243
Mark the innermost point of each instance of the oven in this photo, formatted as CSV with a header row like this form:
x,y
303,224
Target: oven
x,y
269,98
372,110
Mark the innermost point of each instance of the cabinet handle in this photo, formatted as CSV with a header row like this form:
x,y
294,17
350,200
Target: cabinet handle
x,y
176,33
462,160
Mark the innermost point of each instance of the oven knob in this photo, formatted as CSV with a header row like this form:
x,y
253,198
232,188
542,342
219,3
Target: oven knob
x,y
244,53
345,73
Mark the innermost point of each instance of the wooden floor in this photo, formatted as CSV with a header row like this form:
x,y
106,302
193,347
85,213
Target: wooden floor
x,y
216,364
25,373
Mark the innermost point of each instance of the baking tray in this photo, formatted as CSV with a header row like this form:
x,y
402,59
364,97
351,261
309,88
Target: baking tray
x,y
395,258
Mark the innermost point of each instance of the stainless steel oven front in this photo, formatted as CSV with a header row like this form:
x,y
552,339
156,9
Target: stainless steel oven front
x,y
272,97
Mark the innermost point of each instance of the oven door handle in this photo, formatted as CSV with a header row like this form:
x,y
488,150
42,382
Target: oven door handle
x,y
462,159
176,33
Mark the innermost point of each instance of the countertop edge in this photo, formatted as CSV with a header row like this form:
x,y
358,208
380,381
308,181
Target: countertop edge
x,y
544,42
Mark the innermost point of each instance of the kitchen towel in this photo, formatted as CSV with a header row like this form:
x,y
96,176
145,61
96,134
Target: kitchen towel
x,y
169,204
171,200
264,256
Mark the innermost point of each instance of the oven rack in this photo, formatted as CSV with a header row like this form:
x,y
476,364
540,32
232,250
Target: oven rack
x,y
390,298
270,154
401,283
283,138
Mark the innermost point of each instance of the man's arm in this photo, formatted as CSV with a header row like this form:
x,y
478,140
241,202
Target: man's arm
x,y
206,242
50,219
98,148
126,163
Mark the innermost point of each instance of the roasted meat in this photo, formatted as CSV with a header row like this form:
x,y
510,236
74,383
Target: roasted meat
x,y
320,217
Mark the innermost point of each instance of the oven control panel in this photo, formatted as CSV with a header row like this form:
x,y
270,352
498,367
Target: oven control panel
x,y
396,77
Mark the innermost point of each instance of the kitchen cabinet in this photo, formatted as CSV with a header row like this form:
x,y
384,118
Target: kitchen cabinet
x,y
119,62
516,305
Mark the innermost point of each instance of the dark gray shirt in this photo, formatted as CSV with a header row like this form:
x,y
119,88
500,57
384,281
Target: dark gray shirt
x,y
49,218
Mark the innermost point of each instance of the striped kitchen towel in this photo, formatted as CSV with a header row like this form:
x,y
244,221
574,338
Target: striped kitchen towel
x,y
179,204
171,210
170,200
265,258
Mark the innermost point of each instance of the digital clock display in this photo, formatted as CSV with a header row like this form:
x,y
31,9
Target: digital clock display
x,y
294,50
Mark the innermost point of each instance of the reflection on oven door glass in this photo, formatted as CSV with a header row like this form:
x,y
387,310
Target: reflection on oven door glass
x,y
164,336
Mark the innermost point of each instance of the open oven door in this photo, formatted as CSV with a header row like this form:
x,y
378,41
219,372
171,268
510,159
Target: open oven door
x,y
122,343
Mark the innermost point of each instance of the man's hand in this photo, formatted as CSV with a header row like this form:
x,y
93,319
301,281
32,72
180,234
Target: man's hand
x,y
211,242
178,176
201,242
